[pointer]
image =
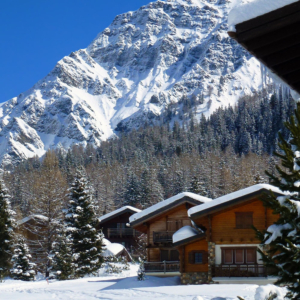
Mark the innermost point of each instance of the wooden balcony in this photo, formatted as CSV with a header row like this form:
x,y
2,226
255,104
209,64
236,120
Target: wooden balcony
x,y
163,236
162,267
254,270
121,232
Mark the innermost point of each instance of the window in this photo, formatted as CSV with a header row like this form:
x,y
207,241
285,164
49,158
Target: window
x,y
169,255
238,256
198,257
244,220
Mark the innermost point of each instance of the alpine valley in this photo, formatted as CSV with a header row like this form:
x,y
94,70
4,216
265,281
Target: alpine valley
x,y
129,75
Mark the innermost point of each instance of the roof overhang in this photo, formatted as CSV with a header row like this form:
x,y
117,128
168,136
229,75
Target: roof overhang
x,y
127,210
274,39
163,210
189,240
260,194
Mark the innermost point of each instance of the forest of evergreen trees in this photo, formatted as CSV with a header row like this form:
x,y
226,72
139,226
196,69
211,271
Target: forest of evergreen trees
x,y
212,157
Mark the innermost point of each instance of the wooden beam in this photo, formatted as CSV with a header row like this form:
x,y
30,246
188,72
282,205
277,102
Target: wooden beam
x,y
282,56
272,37
293,77
269,27
278,46
209,228
268,17
288,67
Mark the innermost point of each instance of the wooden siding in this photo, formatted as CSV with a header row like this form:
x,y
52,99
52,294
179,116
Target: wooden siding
x,y
187,267
223,223
160,224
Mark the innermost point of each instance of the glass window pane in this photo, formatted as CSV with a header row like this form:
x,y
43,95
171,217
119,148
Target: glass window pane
x,y
164,255
174,255
198,258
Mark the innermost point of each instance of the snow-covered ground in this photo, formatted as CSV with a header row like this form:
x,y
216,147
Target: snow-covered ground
x,y
122,287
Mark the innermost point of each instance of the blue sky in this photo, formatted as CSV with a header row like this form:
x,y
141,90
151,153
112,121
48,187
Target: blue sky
x,y
35,34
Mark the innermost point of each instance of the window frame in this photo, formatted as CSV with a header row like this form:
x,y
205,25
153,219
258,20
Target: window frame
x,y
192,257
234,255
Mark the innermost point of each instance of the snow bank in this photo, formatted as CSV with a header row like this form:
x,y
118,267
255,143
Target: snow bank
x,y
250,9
263,291
39,217
184,233
117,211
233,196
166,202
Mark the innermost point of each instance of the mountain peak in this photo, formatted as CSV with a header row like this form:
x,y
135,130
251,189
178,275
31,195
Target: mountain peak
x,y
130,74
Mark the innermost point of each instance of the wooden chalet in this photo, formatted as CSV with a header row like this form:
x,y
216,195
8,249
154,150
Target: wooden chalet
x,y
115,230
274,39
222,245
160,222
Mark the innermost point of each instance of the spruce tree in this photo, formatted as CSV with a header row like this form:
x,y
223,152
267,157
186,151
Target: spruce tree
x,y
22,269
282,239
81,224
7,225
61,256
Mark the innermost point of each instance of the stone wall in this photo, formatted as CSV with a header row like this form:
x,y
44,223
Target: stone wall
x,y
211,259
194,278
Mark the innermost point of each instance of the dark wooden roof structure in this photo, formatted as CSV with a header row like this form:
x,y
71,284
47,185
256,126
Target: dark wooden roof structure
x,y
274,39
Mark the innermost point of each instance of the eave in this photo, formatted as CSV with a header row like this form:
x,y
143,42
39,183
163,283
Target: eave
x,y
274,39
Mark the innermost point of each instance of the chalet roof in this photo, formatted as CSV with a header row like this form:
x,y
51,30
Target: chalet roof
x,y
186,235
32,217
167,204
270,30
112,249
232,199
118,212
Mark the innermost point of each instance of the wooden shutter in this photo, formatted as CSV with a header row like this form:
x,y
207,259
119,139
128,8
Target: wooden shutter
x,y
228,256
239,256
251,256
205,257
191,257
244,220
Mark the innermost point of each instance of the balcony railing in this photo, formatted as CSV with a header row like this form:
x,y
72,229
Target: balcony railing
x,y
121,232
239,271
163,236
162,267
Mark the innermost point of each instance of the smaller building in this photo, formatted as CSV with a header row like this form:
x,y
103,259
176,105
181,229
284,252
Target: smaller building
x,y
115,230
222,243
160,222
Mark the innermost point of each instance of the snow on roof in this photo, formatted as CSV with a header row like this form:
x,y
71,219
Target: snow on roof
x,y
24,220
166,202
184,233
233,196
250,9
117,211
112,249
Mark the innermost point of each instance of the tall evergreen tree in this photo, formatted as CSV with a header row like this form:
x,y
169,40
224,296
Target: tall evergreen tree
x,y
7,225
22,269
81,221
283,238
61,256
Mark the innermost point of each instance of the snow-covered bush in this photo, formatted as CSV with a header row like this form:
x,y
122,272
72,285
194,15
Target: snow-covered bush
x,y
22,269
269,292
141,271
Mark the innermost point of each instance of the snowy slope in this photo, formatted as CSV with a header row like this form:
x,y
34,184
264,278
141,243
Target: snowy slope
x,y
144,61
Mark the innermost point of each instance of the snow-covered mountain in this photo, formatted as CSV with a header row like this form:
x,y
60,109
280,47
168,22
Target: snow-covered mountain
x,y
129,74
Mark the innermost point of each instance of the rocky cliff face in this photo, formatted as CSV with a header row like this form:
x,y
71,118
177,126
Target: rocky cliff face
x,y
143,62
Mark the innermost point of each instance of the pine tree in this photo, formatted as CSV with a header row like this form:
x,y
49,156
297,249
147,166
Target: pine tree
x,y
22,269
7,225
61,256
282,238
81,221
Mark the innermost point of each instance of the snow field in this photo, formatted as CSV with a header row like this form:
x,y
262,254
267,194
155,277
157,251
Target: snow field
x,y
125,286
